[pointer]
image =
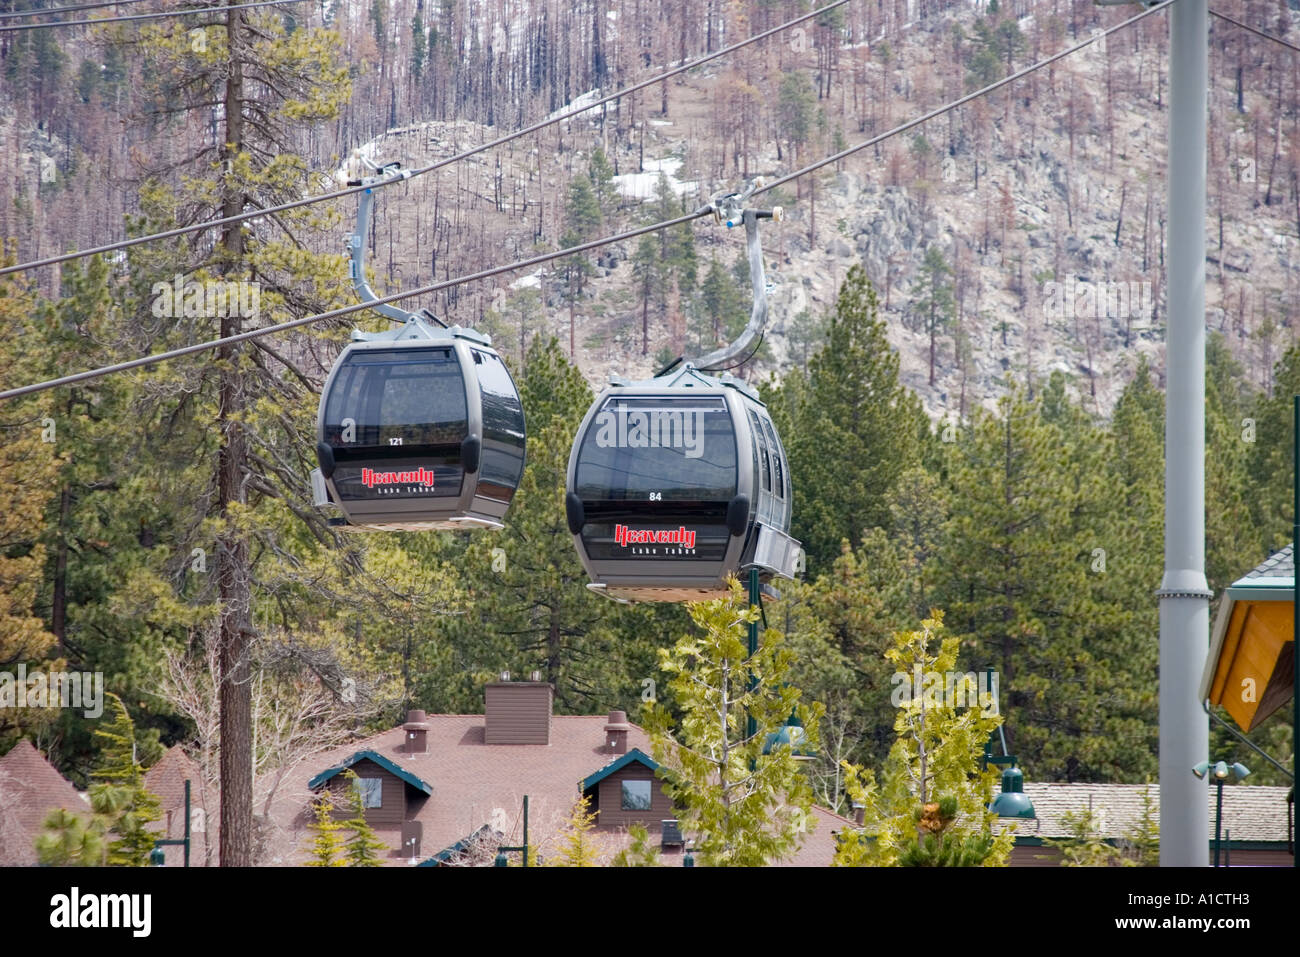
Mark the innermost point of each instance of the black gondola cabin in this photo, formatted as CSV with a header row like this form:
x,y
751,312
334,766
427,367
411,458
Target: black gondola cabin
x,y
676,483
420,432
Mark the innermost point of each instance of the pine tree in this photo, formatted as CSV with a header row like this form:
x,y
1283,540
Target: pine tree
x,y
363,848
850,428
119,792
744,808
931,785
1025,575
578,849
601,175
935,304
326,846
71,840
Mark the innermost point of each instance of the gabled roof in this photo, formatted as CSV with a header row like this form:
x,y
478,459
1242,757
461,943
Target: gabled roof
x,y
1252,812
391,766
167,778
1281,564
30,788
447,853
636,754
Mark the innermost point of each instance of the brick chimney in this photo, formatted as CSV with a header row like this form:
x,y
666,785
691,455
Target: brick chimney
x,y
417,732
517,712
616,730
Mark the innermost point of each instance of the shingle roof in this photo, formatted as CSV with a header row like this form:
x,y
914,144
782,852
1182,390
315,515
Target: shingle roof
x,y
634,755
167,778
1281,564
30,788
379,759
1250,812
477,784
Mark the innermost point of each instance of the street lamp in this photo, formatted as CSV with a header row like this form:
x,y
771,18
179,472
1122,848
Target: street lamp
x,y
1221,772
157,857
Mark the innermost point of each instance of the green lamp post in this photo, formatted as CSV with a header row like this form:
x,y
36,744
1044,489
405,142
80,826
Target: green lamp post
x,y
1221,772
158,857
501,859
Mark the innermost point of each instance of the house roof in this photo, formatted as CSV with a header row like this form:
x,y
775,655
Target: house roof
x,y
30,788
478,785
1246,670
167,778
386,763
614,766
1281,564
1250,812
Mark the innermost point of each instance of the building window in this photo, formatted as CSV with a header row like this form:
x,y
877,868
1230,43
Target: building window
x,y
372,792
636,795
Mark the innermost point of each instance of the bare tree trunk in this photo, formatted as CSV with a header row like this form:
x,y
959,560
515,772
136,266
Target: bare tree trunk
x,y
232,548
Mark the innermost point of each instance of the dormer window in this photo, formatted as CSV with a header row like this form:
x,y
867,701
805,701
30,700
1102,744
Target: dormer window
x,y
372,792
636,795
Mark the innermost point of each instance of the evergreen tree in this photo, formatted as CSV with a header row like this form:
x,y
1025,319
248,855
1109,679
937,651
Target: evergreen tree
x,y
601,175
363,848
850,428
1024,573
930,805
326,846
119,792
578,849
71,840
744,808
935,304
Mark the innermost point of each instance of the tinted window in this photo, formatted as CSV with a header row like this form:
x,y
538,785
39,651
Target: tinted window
x,y
778,457
503,428
397,397
658,449
761,442
636,796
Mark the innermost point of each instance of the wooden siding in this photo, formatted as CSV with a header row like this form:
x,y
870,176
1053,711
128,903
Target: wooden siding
x,y
609,800
393,811
517,712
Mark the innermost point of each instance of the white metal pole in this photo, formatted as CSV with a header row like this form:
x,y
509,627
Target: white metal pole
x,y
1184,594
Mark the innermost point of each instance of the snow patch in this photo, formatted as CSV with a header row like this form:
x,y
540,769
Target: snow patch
x,y
641,186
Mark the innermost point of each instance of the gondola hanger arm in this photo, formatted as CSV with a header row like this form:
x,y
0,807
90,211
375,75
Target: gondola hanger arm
x,y
731,210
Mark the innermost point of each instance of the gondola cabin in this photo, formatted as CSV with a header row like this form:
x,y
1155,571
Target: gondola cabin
x,y
425,431
676,483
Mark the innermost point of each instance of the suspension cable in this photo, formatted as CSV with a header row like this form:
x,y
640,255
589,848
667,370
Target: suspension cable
x,y
562,253
158,15
338,194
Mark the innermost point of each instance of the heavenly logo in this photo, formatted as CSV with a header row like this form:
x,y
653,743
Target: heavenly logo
x,y
58,689
652,429
625,536
72,910
953,689
420,476
207,299
1096,300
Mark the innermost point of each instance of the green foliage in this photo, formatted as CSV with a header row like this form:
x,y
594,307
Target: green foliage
x,y
71,840
930,805
326,845
578,849
363,848
934,305
850,428
119,793
641,852
743,807
940,844
1141,841
1038,572
796,106
1086,846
